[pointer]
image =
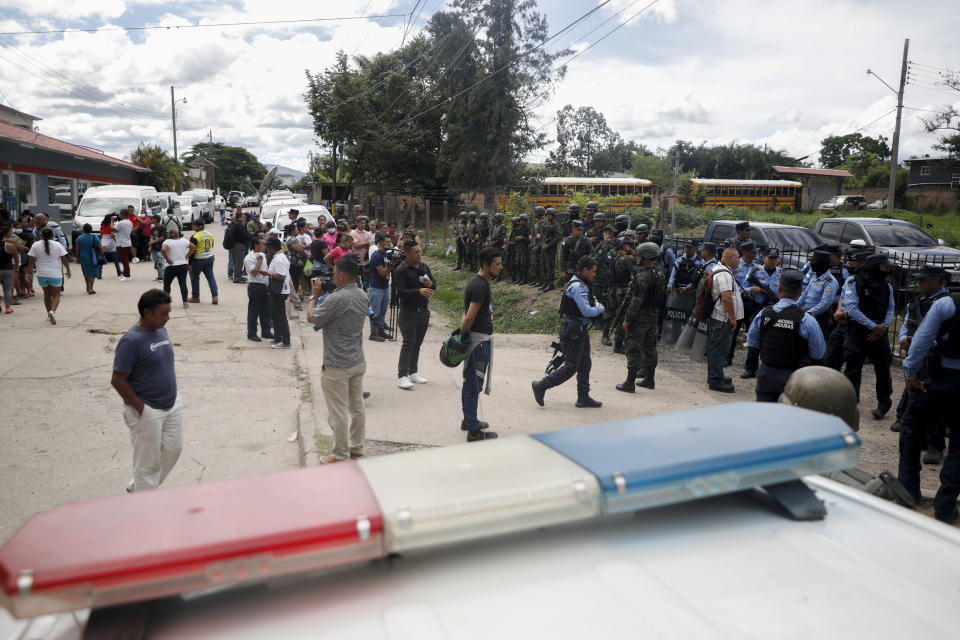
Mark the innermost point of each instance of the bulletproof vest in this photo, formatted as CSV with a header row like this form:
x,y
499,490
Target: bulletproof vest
x,y
484,231
471,229
686,271
948,338
549,232
780,342
622,270
656,291
874,297
918,311
568,307
519,234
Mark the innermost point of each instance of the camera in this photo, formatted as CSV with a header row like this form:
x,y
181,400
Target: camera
x,y
395,255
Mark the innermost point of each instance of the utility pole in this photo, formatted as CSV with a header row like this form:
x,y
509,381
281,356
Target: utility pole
x,y
213,184
673,208
173,114
891,189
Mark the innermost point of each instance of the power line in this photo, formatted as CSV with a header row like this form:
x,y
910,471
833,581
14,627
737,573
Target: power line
x,y
928,66
254,23
610,33
872,122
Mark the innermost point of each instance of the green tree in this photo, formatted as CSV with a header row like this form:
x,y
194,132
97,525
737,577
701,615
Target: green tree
x,y
167,173
653,167
586,145
735,160
235,165
838,150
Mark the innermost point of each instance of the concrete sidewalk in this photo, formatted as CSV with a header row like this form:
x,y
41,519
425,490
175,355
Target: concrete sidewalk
x,y
63,434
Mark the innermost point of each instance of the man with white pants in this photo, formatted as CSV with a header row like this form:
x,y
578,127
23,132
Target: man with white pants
x,y
144,376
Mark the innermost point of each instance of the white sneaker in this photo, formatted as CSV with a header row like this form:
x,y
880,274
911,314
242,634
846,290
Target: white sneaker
x,y
416,377
124,278
136,260
52,317
404,383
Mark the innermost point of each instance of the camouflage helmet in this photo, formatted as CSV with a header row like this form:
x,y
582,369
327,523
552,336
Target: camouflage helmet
x,y
484,216
473,215
825,390
573,210
538,211
626,241
521,218
621,222
463,214
576,224
628,234
550,211
610,228
648,251
341,209
599,216
498,217
592,205
643,228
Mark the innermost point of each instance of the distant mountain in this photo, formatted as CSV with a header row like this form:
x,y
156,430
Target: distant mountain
x,y
286,170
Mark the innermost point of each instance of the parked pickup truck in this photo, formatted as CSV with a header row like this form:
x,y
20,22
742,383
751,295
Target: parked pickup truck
x,y
909,246
795,243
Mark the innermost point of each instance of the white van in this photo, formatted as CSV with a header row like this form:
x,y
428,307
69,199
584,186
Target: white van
x,y
205,198
97,202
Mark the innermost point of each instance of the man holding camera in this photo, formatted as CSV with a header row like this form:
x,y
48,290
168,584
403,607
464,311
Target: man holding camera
x,y
341,316
415,285
379,265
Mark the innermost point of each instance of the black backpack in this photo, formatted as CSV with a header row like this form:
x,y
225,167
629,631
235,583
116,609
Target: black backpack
x,y
705,300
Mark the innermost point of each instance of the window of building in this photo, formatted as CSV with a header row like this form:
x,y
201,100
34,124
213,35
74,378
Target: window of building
x,y
25,194
61,193
925,170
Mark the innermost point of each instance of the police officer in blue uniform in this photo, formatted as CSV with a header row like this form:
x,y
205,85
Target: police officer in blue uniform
x,y
930,281
786,336
820,290
684,271
577,308
941,325
763,283
868,301
708,253
748,257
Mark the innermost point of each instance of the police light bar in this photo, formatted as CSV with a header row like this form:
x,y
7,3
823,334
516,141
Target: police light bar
x,y
466,492
127,548
648,462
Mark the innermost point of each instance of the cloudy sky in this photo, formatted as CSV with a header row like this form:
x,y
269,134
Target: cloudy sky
x,y
771,72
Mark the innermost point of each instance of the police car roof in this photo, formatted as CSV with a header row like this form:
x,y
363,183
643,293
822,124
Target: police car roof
x,y
724,567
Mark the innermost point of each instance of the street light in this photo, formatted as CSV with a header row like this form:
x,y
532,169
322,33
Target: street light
x,y
173,114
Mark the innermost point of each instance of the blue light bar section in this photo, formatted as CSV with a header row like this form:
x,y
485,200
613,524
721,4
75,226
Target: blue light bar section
x,y
651,461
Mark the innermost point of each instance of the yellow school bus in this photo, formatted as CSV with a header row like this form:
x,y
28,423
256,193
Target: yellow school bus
x,y
770,195
552,192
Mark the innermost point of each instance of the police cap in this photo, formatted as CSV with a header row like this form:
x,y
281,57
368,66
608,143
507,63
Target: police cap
x,y
598,215
877,259
821,257
709,246
931,271
748,245
832,247
858,254
648,251
742,226
691,243
773,253
791,278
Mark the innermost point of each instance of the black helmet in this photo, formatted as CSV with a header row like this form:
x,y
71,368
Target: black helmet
x,y
576,224
621,222
463,214
593,206
538,211
643,228
498,216
599,216
550,211
625,241
521,218
574,210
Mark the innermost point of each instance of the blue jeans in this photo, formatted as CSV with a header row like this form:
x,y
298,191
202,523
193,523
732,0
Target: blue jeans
x,y
474,373
204,266
719,339
378,302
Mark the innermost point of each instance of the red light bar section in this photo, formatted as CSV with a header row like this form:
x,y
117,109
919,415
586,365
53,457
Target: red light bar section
x,y
132,547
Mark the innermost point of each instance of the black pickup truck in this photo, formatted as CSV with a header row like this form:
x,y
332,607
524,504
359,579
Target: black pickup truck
x,y
795,243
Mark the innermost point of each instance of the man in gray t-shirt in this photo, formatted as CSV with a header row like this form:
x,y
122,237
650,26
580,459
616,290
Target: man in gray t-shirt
x,y
144,376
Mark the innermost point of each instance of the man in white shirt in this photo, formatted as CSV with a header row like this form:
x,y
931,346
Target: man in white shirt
x,y
727,310
122,231
279,288
255,264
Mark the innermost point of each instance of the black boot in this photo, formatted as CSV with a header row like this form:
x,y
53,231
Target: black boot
x,y
605,340
628,385
549,287
647,381
618,347
584,401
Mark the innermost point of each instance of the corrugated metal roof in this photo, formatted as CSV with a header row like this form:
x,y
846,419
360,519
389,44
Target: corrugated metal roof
x,y
32,139
828,173
558,180
755,183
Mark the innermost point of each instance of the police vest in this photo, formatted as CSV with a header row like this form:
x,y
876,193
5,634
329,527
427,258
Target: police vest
x,y
686,271
874,297
948,338
781,344
568,307
919,309
204,240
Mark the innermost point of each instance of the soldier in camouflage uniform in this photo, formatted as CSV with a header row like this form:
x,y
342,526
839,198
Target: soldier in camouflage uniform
x,y
647,291
573,247
461,230
483,232
604,253
590,215
519,243
620,277
471,253
549,240
573,213
498,236
537,279
594,232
